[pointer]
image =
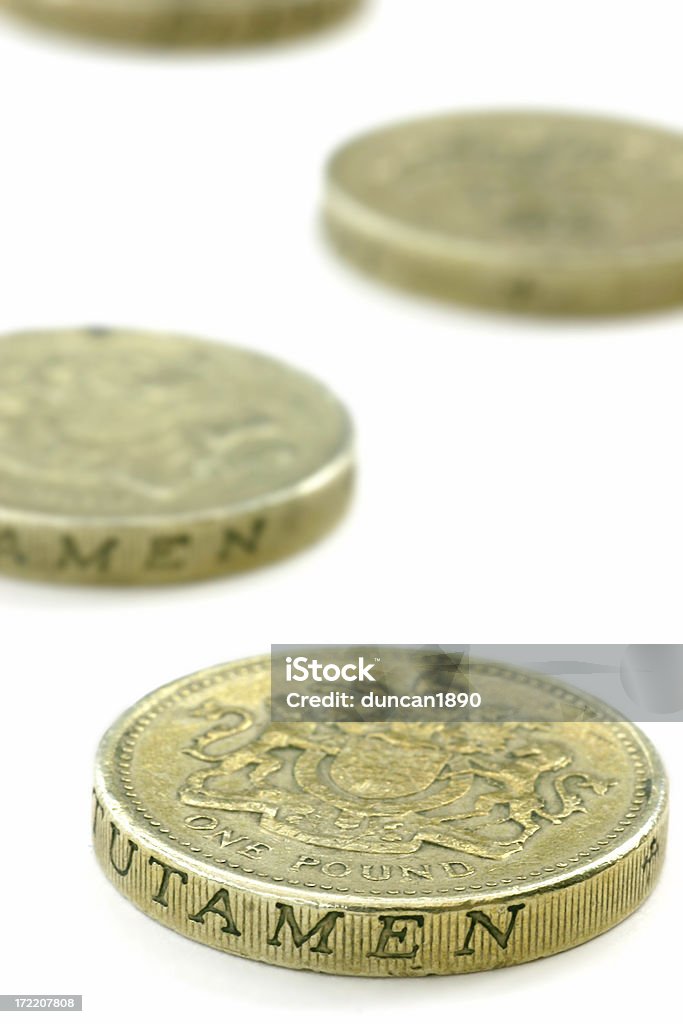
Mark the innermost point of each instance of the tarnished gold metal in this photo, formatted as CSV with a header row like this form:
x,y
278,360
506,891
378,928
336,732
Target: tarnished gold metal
x,y
379,849
183,22
129,457
529,212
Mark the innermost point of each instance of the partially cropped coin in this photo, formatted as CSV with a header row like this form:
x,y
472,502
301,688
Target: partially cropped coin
x,y
529,212
387,849
130,457
183,22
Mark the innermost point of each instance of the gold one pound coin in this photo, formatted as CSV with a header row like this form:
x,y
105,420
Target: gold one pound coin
x,y
128,457
391,849
529,212
183,22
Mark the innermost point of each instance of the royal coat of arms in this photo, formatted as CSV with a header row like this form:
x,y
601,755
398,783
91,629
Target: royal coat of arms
x,y
480,790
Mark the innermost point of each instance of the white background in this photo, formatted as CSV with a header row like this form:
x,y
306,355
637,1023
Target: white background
x,y
520,482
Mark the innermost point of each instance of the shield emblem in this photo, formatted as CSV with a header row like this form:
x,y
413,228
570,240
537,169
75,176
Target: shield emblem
x,y
379,766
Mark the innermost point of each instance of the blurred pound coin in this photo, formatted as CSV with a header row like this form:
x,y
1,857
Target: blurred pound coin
x,y
529,212
128,457
183,22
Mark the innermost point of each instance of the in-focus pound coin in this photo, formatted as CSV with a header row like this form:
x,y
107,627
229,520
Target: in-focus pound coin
x,y
388,849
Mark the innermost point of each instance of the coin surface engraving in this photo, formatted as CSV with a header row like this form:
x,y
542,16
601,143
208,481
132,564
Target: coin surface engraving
x,y
378,849
130,457
530,212
183,22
